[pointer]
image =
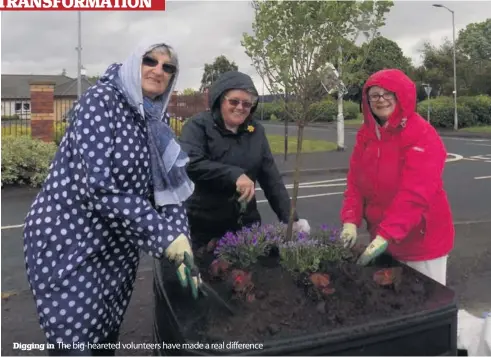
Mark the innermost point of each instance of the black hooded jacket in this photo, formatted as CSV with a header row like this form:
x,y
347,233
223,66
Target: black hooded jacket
x,y
218,157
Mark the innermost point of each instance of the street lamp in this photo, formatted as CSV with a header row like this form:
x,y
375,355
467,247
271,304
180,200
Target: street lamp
x,y
456,121
79,55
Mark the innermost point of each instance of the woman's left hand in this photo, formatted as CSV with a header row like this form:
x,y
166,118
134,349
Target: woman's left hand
x,y
301,226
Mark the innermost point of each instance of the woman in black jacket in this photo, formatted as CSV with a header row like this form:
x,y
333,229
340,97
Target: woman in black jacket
x,y
228,153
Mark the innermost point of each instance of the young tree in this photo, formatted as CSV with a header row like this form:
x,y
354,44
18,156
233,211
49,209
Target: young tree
x,y
293,45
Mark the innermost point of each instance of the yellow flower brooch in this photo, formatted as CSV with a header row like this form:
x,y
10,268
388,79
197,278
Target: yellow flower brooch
x,y
250,129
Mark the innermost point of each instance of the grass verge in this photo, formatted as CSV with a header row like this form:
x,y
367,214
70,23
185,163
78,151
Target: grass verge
x,y
478,129
277,143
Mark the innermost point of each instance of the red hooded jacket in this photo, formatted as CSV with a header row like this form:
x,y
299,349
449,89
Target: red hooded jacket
x,y
395,179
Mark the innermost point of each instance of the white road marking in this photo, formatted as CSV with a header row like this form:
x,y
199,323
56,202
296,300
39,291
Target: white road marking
x,y
310,196
453,157
482,158
479,221
290,187
312,184
13,227
482,177
466,139
478,144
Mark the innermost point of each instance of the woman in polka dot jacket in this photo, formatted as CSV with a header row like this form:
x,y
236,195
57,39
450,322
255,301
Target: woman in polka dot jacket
x,y
116,185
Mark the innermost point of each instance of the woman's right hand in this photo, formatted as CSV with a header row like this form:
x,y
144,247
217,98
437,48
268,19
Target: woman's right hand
x,y
176,252
245,187
348,235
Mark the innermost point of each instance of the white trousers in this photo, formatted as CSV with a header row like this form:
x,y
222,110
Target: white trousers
x,y
436,269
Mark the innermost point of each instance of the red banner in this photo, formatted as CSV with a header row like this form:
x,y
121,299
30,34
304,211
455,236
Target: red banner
x,y
82,5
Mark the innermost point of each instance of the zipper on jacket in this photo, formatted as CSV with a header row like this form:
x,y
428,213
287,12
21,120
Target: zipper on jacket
x,y
379,137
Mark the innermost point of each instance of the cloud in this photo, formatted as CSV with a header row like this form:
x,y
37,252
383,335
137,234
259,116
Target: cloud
x,y
45,42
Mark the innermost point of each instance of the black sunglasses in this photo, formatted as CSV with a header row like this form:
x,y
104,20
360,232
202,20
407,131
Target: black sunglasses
x,y
152,62
235,102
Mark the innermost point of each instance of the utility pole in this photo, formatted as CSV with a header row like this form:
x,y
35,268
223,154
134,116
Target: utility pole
x,y
456,120
79,50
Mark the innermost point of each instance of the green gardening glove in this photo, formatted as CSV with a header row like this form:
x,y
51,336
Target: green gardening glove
x,y
376,247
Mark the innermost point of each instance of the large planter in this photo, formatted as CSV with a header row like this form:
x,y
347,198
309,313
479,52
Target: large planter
x,y
355,315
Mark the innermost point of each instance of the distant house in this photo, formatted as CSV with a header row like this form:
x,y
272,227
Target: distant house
x,y
16,101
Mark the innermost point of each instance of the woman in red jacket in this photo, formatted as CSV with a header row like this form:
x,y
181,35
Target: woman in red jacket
x,y
395,180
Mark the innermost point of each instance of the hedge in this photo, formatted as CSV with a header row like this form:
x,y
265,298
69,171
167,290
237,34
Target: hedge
x,y
471,111
324,111
25,161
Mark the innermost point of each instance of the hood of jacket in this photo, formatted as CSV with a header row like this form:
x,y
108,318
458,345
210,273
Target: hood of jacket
x,y
393,80
227,81
127,76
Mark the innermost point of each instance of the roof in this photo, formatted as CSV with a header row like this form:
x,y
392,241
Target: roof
x,y
16,86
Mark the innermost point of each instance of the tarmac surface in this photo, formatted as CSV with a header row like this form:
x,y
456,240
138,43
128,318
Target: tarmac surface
x,y
467,180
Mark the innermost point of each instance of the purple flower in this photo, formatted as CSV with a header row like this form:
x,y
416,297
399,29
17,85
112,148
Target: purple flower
x,y
302,236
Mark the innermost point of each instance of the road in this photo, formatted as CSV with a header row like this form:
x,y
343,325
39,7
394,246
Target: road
x,y
467,175
467,180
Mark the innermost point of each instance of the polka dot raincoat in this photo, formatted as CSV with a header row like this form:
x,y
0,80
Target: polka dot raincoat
x,y
93,215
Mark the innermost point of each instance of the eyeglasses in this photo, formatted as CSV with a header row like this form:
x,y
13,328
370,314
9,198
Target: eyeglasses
x,y
235,102
376,97
152,62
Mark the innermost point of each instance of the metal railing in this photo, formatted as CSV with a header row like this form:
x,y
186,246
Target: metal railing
x,y
16,115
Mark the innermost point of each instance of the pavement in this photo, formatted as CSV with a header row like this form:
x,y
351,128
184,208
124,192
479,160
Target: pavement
x,y
467,180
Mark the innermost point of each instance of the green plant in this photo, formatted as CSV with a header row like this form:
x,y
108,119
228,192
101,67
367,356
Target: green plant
x,y
480,106
25,160
351,110
323,111
442,113
307,252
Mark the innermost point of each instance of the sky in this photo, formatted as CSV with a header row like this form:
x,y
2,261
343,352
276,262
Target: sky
x,y
45,42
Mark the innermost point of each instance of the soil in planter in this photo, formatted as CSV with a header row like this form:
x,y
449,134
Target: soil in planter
x,y
283,305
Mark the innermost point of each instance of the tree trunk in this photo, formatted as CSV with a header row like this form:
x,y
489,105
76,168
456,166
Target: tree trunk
x,y
296,182
340,118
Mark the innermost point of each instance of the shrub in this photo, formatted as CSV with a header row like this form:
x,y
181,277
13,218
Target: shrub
x,y
480,106
265,111
442,113
351,110
327,110
323,111
60,129
25,160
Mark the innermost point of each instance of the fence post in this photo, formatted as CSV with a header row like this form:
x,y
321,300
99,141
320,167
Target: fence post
x,y
42,110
